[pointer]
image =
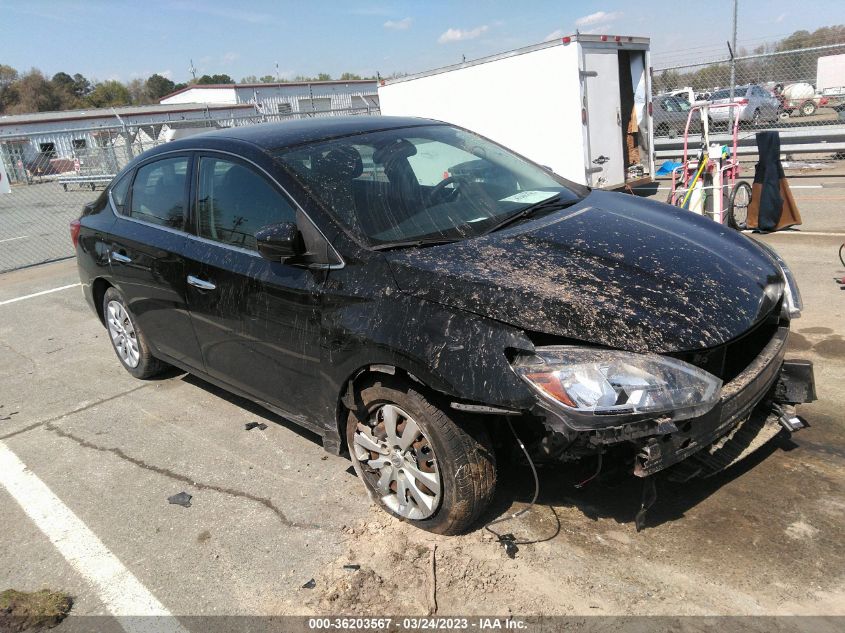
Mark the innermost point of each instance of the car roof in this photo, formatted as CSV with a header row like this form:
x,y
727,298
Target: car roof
x,y
290,133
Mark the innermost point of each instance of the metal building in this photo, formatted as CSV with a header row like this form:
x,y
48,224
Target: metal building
x,y
99,139
286,98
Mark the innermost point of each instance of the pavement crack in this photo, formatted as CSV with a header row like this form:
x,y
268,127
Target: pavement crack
x,y
264,501
90,405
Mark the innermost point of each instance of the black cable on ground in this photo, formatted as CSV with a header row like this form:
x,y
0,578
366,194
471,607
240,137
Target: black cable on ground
x,y
509,541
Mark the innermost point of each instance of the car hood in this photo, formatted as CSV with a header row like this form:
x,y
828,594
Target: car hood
x,y
613,270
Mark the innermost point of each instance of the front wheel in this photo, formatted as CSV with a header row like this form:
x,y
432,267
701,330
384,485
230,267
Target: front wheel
x,y
738,202
420,464
808,108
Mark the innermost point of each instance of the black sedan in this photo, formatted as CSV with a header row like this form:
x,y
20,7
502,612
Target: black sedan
x,y
410,291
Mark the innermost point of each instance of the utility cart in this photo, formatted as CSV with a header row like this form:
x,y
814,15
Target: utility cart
x,y
708,184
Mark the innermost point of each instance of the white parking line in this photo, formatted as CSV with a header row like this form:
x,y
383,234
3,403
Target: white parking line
x,y
38,294
122,594
12,239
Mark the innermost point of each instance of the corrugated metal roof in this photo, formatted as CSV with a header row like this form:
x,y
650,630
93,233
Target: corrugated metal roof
x,y
280,84
100,113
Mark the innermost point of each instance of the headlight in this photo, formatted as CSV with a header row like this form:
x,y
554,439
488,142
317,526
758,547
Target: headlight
x,y
792,303
589,383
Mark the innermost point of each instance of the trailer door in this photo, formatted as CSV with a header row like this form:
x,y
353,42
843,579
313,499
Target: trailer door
x,y
605,160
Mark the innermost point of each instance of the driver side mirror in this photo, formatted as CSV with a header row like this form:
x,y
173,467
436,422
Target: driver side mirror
x,y
278,242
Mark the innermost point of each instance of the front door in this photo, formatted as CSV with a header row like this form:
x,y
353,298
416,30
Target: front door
x,y
257,321
605,159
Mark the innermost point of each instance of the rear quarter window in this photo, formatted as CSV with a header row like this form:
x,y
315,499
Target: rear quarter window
x,y
120,192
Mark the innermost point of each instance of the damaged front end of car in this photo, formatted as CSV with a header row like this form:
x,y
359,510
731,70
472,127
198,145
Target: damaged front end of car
x,y
688,414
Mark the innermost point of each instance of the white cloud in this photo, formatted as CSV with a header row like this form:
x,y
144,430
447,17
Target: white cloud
x,y
230,57
398,25
459,35
554,35
166,73
781,17
599,17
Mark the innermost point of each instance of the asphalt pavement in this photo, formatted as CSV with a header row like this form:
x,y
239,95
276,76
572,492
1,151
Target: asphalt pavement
x,y
270,509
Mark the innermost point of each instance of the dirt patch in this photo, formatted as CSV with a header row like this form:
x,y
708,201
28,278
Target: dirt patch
x,y
21,611
586,558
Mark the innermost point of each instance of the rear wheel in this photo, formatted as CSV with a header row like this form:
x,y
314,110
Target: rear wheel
x,y
420,464
808,108
738,202
126,338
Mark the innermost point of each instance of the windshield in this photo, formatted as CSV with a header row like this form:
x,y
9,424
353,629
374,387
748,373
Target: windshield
x,y
426,183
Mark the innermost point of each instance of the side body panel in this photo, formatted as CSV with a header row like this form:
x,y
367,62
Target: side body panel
x,y
528,102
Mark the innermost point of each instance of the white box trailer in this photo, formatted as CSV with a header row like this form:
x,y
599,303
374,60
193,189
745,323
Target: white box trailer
x,y
830,75
580,105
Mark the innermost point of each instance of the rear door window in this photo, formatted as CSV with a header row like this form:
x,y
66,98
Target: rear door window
x,y
234,202
159,191
119,193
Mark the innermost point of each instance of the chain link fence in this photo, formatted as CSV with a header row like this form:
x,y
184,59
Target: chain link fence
x,y
54,174
800,93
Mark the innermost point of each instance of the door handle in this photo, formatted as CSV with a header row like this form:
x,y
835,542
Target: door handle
x,y
200,283
119,257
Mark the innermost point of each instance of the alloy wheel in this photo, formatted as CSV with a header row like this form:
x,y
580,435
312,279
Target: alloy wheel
x,y
123,335
399,462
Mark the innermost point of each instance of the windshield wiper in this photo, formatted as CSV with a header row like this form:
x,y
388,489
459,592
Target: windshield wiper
x,y
435,241
549,203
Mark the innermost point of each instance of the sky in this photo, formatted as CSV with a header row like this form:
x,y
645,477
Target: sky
x,y
126,40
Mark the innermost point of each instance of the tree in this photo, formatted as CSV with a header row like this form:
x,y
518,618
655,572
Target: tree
x,y
138,92
81,86
157,86
8,76
63,81
349,77
207,80
268,79
32,93
324,77
249,79
63,86
109,93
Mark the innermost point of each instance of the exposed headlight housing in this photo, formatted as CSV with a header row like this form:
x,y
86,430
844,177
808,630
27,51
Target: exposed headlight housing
x,y
792,303
597,387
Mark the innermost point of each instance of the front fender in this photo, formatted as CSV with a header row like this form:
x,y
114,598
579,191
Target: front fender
x,y
458,353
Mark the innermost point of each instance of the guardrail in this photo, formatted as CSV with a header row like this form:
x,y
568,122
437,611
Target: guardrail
x,y
804,140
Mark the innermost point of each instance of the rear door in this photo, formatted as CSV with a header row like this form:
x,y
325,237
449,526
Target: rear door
x,y
257,321
605,160
146,251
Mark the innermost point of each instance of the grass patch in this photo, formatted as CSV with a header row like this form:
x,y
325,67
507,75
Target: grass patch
x,y
21,611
